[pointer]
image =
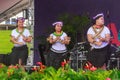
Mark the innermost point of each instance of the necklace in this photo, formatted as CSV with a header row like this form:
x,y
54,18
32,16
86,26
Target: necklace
x,y
56,34
96,30
18,31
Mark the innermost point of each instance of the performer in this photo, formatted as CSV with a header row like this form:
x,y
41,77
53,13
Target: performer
x,y
19,37
99,36
59,40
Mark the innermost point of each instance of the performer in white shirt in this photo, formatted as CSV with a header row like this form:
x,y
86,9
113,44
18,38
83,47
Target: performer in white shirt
x,y
19,37
58,39
99,36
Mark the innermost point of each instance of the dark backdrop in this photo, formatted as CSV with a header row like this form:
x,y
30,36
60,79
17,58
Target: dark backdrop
x,y
47,12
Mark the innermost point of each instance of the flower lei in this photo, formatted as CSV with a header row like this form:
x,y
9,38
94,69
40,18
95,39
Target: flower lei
x,y
58,34
20,32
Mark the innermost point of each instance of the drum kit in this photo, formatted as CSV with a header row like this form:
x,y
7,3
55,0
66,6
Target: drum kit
x,y
114,61
78,56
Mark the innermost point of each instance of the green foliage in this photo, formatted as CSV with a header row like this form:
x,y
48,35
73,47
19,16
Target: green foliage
x,y
18,74
72,75
75,23
115,75
66,73
35,76
75,26
98,74
3,70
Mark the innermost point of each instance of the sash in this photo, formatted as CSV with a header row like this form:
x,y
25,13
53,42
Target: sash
x,y
20,33
97,34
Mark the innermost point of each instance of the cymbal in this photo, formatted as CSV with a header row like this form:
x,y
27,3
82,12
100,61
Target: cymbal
x,y
81,43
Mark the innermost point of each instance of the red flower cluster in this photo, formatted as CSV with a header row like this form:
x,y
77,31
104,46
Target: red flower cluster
x,y
13,66
39,63
1,65
89,66
11,69
64,63
40,67
34,68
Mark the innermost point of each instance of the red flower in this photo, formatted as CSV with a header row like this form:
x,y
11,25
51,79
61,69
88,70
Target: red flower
x,y
34,68
87,66
93,68
62,64
108,78
16,67
39,63
1,65
43,66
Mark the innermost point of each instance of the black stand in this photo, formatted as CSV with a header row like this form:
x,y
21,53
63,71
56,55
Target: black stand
x,y
77,58
114,61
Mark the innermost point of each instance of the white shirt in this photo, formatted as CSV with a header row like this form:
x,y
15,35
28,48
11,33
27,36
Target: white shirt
x,y
102,34
15,34
58,46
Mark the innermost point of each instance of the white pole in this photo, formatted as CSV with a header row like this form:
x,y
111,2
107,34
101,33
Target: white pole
x,y
31,21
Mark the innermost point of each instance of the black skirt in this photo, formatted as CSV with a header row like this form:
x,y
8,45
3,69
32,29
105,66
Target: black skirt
x,y
54,59
19,53
99,57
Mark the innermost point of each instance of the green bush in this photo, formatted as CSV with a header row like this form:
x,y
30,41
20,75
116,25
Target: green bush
x,y
18,73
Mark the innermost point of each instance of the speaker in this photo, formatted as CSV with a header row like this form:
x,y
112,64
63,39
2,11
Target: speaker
x,y
2,58
5,59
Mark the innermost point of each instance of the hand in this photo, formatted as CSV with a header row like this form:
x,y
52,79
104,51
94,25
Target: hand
x,y
102,39
57,39
68,39
25,39
98,43
49,38
21,43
